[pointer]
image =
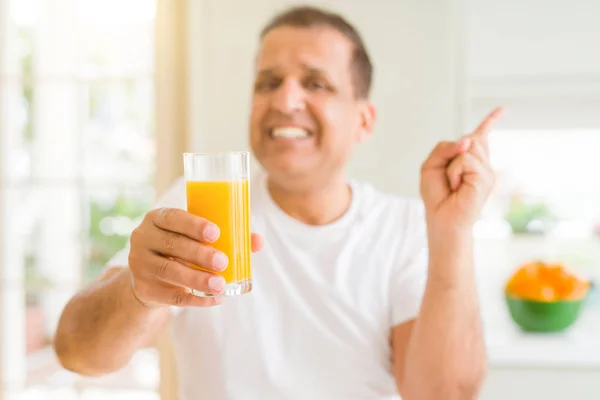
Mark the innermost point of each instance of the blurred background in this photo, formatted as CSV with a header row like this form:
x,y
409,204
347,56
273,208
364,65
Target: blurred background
x,y
99,99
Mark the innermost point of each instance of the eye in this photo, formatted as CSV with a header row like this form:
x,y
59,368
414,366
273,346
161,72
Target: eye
x,y
316,84
266,84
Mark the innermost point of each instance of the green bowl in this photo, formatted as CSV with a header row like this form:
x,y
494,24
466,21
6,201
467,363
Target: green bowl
x,y
539,316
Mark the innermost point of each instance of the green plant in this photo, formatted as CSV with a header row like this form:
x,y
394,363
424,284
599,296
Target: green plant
x,y
35,282
529,218
103,245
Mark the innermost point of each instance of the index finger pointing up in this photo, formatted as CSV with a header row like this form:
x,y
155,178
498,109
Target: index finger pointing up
x,y
480,134
486,125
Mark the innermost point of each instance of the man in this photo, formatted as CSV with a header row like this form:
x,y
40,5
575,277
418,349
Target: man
x,y
358,294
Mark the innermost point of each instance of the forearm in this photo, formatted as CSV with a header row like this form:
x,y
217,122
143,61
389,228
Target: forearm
x,y
104,325
446,357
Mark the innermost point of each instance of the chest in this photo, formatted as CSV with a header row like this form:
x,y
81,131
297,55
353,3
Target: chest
x,y
338,275
314,310
313,298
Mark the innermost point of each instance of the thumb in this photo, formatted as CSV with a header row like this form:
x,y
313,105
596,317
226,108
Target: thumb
x,y
445,152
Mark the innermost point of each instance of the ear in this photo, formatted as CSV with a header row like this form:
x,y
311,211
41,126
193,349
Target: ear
x,y
367,122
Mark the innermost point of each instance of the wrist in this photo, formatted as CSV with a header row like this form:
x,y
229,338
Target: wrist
x,y
450,238
450,255
137,299
140,301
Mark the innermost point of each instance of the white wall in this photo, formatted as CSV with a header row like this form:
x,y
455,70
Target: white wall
x,y
545,39
539,58
416,48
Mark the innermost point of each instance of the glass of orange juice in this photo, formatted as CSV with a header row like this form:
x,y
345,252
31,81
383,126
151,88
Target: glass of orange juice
x,y
218,189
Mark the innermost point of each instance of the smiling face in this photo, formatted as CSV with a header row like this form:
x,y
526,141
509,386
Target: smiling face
x,y
305,117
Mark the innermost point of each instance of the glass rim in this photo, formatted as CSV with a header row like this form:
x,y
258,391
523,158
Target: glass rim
x,y
217,153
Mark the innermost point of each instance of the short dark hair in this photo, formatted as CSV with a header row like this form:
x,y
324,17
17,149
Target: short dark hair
x,y
313,17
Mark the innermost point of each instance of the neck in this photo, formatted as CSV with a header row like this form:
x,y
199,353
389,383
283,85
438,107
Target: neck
x,y
314,206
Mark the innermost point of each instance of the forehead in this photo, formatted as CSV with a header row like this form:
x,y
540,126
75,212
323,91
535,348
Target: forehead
x,y
290,47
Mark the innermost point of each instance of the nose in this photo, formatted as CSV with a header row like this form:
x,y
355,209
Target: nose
x,y
289,97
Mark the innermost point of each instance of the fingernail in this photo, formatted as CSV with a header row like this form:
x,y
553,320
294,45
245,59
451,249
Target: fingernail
x,y
219,261
216,283
211,233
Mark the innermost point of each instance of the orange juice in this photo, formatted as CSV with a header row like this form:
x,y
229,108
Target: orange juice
x,y
227,205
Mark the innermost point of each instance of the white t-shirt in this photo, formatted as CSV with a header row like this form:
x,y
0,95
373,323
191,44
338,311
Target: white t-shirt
x,y
318,320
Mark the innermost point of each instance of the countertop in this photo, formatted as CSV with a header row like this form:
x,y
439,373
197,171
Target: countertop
x,y
508,346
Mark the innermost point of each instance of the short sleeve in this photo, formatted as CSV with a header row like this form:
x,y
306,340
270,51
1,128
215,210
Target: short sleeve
x,y
410,274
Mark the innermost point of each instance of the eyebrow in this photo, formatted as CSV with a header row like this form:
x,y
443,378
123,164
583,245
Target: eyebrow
x,y
309,68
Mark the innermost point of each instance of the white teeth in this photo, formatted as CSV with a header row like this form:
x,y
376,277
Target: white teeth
x,y
290,133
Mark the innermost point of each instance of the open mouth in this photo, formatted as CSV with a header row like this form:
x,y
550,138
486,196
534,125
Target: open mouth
x,y
289,133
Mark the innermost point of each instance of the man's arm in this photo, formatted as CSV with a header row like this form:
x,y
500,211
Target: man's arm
x,y
442,353
104,325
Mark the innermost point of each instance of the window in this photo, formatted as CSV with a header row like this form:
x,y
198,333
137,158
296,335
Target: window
x,y
545,181
545,201
77,138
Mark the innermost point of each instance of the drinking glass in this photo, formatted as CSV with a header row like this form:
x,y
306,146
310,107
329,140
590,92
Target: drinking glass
x,y
218,189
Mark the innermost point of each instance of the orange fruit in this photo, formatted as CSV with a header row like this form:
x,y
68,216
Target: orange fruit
x,y
546,282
